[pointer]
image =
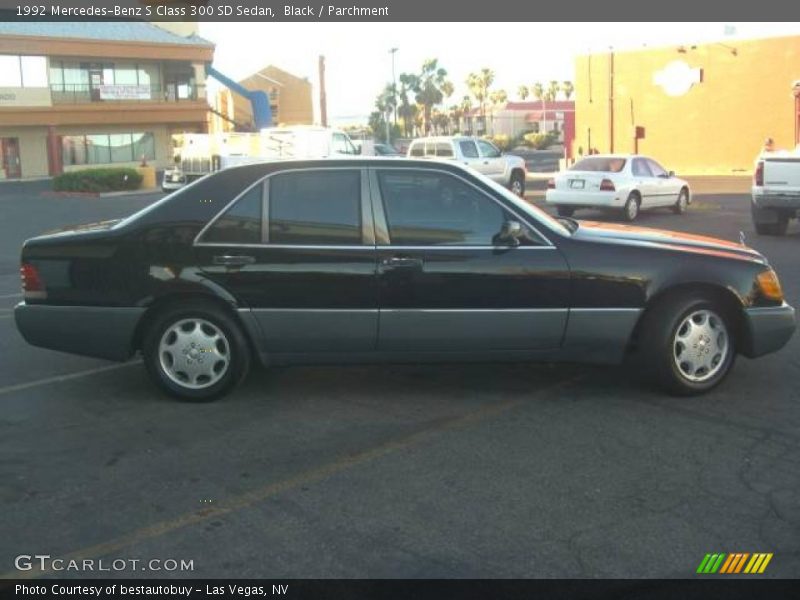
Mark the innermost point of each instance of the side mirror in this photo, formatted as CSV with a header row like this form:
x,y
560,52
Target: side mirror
x,y
671,174
510,233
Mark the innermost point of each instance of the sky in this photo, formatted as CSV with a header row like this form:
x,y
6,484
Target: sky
x,y
359,65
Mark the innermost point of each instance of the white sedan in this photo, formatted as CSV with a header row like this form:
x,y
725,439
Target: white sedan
x,y
624,182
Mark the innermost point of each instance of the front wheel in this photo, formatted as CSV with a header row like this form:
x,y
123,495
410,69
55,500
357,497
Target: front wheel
x,y
195,352
688,344
517,185
681,203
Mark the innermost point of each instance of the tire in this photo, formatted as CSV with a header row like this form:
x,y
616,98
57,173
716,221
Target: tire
x,y
177,346
517,184
631,209
565,211
683,359
778,228
681,203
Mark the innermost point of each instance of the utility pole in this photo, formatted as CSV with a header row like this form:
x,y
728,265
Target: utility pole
x,y
394,89
611,100
323,99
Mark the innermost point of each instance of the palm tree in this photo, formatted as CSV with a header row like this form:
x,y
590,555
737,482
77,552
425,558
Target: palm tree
x,y
429,92
553,89
537,89
567,88
522,92
498,96
455,113
479,84
408,83
466,107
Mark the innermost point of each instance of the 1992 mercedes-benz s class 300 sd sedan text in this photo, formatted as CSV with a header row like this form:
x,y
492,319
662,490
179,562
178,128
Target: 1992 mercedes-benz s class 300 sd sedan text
x,y
376,259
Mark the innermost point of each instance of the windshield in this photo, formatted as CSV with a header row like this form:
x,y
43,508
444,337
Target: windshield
x,y
605,164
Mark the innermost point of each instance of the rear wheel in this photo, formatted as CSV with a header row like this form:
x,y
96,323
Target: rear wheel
x,y
565,211
778,227
687,344
195,352
631,209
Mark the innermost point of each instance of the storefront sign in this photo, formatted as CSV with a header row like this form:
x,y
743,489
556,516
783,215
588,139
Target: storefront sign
x,y
124,92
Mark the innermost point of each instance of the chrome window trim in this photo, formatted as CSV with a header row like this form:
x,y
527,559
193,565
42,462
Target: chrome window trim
x,y
366,247
378,218
378,208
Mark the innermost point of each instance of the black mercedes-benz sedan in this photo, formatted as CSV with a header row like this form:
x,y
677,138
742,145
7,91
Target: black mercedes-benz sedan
x,y
385,260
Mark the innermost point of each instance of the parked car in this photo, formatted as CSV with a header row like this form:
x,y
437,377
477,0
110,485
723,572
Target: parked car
x,y
627,183
477,153
776,191
386,150
371,259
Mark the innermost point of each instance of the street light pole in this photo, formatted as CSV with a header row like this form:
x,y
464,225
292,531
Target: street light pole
x,y
394,86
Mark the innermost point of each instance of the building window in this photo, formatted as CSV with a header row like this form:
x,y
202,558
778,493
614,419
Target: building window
x,y
105,148
23,71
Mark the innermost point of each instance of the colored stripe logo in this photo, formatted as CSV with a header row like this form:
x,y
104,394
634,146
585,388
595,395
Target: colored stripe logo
x,y
736,562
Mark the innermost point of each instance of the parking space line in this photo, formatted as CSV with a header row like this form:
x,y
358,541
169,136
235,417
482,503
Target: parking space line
x,y
10,296
61,378
311,476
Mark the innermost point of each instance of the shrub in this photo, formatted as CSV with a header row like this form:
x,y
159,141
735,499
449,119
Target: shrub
x,y
98,180
540,141
501,140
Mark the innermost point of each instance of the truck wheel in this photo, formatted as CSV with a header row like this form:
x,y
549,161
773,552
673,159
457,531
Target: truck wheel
x,y
687,344
517,184
195,352
565,211
778,227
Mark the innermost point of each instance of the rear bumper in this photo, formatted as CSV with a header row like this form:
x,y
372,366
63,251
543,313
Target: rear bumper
x,y
788,201
101,332
573,198
767,329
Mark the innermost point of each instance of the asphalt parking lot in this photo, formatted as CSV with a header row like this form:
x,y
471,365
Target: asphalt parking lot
x,y
396,471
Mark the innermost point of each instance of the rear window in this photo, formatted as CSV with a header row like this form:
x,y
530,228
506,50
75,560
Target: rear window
x,y
599,163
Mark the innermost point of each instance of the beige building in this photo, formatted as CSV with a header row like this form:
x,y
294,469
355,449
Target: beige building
x,y
289,96
84,94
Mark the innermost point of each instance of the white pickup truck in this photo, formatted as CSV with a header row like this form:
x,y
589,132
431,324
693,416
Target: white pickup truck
x,y
776,191
477,153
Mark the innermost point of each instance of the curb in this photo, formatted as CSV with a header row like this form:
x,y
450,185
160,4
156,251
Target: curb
x,y
53,194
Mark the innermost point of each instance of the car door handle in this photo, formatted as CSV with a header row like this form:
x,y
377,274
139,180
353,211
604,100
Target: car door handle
x,y
401,262
234,260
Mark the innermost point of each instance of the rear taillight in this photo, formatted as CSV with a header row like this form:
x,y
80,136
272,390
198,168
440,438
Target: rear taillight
x,y
32,283
607,186
758,176
551,184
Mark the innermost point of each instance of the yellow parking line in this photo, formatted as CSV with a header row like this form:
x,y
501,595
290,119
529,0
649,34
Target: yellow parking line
x,y
61,378
252,497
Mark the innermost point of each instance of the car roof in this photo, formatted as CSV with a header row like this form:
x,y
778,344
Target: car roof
x,y
444,138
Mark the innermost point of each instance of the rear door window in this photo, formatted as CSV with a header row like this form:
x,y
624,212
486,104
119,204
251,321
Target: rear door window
x,y
640,168
418,149
444,149
315,208
240,223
